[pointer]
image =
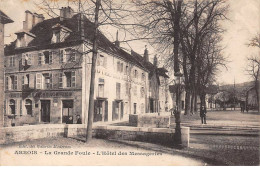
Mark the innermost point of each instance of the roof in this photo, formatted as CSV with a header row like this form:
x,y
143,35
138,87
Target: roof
x,y
4,18
44,31
148,65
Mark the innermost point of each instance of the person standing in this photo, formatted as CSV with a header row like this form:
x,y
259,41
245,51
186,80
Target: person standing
x,y
79,121
203,115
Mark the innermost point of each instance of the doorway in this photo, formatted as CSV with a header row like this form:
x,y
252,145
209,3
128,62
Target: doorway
x,y
45,110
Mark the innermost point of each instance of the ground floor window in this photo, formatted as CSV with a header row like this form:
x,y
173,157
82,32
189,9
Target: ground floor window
x,y
12,106
28,106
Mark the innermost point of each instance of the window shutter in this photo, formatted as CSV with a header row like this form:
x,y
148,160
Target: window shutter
x,y
73,56
39,58
50,75
50,57
23,82
31,81
38,81
21,107
60,80
10,61
64,56
73,79
15,82
61,56
6,83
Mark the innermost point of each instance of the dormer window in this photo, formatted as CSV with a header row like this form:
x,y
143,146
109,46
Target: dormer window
x,y
56,36
60,33
23,38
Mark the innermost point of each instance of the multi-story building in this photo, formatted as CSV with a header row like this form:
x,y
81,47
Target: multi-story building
x,y
47,75
159,98
4,19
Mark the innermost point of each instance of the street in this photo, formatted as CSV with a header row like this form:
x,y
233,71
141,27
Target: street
x,y
228,138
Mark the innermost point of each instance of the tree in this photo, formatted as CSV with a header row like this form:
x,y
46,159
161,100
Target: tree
x,y
253,70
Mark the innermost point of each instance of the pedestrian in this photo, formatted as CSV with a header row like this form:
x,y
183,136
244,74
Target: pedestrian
x,y
79,121
203,115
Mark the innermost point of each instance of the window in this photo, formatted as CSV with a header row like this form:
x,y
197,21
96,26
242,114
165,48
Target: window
x,y
62,56
25,81
47,79
142,93
56,37
13,80
26,59
135,90
126,70
102,61
143,77
67,79
40,58
28,106
45,57
7,83
101,88
73,56
118,86
12,106
135,74
12,61
118,66
122,67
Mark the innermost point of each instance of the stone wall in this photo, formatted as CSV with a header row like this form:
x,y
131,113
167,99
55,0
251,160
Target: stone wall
x,y
149,120
163,136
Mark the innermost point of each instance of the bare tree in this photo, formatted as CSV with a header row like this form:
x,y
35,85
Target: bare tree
x,y
253,70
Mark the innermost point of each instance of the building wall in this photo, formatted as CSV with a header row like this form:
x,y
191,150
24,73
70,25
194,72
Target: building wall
x,y
112,72
1,72
37,93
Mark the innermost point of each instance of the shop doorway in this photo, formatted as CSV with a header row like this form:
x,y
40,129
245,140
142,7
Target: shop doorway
x,y
45,110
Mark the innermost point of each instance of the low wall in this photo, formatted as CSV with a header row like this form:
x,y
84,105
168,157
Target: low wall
x,y
32,132
163,136
149,120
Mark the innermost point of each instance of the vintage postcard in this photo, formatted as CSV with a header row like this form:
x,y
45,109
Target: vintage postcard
x,y
129,82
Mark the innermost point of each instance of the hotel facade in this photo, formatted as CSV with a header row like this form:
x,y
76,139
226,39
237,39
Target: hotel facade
x,y
47,75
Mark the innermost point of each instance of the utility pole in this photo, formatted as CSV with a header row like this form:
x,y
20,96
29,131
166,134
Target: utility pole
x,y
177,73
93,74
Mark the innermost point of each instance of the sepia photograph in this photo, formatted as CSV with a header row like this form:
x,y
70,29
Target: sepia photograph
x,y
129,82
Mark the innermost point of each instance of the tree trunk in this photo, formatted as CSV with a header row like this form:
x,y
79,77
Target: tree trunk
x,y
195,102
257,94
93,75
192,103
187,102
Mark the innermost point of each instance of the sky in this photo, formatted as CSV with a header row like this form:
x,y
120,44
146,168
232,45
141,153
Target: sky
x,y
244,24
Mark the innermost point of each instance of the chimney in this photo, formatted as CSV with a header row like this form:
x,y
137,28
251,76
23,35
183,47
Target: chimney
x,y
146,57
37,18
65,13
155,61
81,27
117,43
28,23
